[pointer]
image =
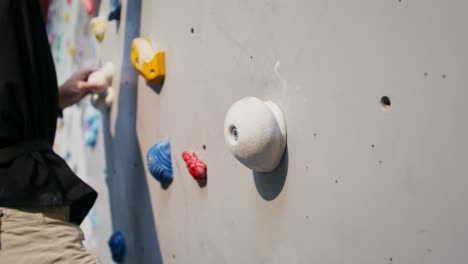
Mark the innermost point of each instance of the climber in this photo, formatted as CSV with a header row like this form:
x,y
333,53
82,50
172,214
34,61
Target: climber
x,y
42,201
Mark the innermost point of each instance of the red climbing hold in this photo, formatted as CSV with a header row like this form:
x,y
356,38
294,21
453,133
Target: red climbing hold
x,y
196,167
88,6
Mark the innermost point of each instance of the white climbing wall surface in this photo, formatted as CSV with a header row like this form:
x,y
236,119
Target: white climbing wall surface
x,y
364,179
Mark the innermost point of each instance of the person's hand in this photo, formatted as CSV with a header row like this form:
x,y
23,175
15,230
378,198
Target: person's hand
x,y
77,87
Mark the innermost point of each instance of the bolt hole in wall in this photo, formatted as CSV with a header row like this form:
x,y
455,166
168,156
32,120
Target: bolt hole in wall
x,y
385,102
192,30
204,147
234,133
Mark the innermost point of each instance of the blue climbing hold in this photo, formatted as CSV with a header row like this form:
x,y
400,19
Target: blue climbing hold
x,y
117,246
92,116
94,126
115,10
90,138
159,161
93,122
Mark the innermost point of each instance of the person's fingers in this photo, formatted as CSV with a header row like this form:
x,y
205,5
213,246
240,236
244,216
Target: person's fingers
x,y
92,87
83,75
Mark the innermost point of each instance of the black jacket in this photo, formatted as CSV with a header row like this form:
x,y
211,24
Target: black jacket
x,y
31,174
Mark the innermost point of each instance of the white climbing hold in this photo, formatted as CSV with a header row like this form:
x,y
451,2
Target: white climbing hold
x,y
145,50
255,133
103,99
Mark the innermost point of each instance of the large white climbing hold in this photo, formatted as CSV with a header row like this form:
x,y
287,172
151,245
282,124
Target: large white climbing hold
x,y
103,75
255,133
102,100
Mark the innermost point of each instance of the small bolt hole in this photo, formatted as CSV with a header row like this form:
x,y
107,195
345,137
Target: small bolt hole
x,y
234,133
192,30
204,147
385,101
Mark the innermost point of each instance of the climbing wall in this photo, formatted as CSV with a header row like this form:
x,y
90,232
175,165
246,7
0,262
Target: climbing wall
x,y
373,95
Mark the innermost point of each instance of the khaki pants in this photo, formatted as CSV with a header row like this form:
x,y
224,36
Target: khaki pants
x,y
41,236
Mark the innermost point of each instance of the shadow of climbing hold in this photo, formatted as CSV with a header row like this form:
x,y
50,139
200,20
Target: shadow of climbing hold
x,y
159,162
117,246
196,167
270,184
116,8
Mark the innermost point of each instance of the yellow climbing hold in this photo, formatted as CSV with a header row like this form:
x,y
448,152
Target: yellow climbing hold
x,y
98,26
71,50
148,63
67,17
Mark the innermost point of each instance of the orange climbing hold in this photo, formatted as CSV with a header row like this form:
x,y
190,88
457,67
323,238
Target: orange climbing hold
x,y
196,167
